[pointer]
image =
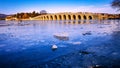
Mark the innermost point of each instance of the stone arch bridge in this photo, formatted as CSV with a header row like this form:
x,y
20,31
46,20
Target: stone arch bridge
x,y
71,16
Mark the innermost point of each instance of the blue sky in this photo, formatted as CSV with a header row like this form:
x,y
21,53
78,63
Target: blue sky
x,y
55,6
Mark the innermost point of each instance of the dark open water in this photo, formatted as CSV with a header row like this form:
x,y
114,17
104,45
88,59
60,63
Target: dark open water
x,y
27,44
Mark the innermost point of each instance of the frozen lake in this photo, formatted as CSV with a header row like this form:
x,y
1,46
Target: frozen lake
x,y
27,44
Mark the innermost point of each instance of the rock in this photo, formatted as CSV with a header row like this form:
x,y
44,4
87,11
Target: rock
x,y
54,47
84,52
96,66
87,33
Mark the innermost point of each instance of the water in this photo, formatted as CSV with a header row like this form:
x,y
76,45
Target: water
x,y
27,44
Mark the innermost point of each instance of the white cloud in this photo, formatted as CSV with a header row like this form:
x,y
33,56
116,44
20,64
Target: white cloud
x,y
56,9
95,9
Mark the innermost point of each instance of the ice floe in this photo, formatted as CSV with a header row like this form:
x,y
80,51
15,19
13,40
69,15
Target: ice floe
x,y
76,43
54,47
61,36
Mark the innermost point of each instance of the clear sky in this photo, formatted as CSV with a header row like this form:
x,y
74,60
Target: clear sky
x,y
55,6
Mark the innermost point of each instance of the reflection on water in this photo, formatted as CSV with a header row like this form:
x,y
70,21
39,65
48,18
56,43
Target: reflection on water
x,y
86,44
62,22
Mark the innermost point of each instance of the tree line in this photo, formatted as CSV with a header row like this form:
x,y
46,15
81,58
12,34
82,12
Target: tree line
x,y
25,15
28,15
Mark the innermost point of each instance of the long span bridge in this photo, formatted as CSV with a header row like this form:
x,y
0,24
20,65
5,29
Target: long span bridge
x,y
72,16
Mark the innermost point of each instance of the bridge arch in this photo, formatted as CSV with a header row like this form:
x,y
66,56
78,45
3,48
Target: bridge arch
x,y
79,17
90,18
69,17
60,17
84,17
51,17
64,17
55,17
74,17
47,17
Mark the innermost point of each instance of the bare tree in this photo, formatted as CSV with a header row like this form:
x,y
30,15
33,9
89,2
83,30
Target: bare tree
x,y
116,4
